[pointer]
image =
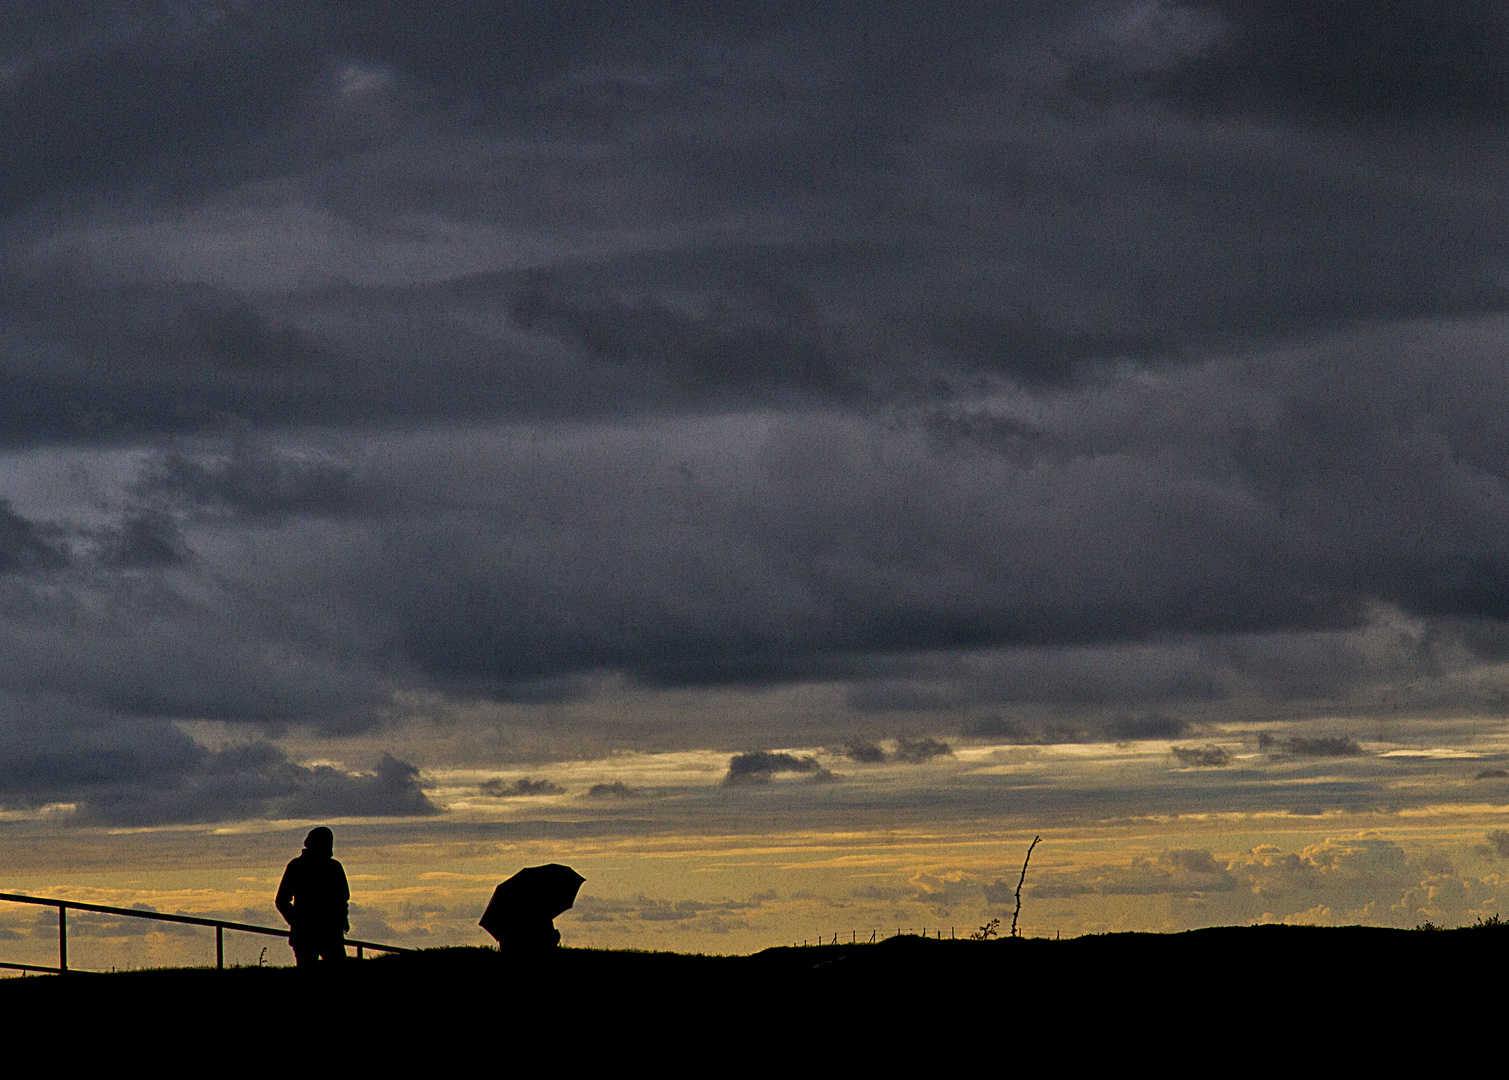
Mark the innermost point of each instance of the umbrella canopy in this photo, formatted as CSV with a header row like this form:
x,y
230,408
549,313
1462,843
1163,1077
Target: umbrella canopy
x,y
534,894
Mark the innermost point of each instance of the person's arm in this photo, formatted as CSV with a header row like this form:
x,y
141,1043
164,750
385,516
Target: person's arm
x,y
284,900
345,898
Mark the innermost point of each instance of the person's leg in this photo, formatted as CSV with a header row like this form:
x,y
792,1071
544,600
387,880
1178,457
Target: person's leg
x,y
334,947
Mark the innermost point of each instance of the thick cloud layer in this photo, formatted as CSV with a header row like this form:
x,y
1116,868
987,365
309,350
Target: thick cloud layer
x,y
1046,371
1349,62
150,772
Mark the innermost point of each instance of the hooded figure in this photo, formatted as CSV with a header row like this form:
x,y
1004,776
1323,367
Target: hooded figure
x,y
313,898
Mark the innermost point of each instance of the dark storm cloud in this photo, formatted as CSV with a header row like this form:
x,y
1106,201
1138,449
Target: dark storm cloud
x,y
719,208
949,353
123,98
1273,502
745,549
1443,62
149,772
176,663
147,629
23,546
740,342
143,540
255,481
392,789
88,360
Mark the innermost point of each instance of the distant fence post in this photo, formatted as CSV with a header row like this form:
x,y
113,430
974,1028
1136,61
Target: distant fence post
x,y
62,939
219,948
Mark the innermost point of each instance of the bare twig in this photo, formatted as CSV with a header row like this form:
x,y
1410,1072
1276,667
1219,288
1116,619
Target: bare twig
x,y
1023,878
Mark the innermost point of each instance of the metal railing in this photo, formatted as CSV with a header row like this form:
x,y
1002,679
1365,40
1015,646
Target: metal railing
x,y
220,925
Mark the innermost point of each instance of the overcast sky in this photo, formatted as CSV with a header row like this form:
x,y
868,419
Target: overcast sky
x,y
392,388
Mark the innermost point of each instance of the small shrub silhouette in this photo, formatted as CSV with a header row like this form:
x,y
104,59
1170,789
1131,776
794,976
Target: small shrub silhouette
x,y
1491,922
986,932
1426,926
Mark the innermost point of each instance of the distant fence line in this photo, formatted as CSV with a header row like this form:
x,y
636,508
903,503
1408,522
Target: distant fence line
x,y
220,925
908,931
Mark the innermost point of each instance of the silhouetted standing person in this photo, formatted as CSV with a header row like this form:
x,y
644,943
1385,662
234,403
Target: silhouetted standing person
x,y
313,899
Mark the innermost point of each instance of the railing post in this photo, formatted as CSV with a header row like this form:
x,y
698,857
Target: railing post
x,y
219,947
358,952
62,939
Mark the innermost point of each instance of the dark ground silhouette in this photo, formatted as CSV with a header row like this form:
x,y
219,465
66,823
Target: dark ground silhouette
x,y
1196,997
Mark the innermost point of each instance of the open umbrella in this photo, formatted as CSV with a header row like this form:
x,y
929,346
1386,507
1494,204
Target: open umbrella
x,y
533,896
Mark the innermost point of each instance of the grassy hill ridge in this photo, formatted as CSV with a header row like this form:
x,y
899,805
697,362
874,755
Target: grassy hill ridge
x,y
1201,980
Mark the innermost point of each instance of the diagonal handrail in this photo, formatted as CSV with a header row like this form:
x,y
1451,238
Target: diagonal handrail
x,y
220,925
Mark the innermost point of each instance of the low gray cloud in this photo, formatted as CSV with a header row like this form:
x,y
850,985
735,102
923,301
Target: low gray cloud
x,y
701,916
1112,728
882,892
1154,726
612,789
1182,871
760,766
150,772
524,786
1208,755
95,924
917,751
909,751
1311,745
